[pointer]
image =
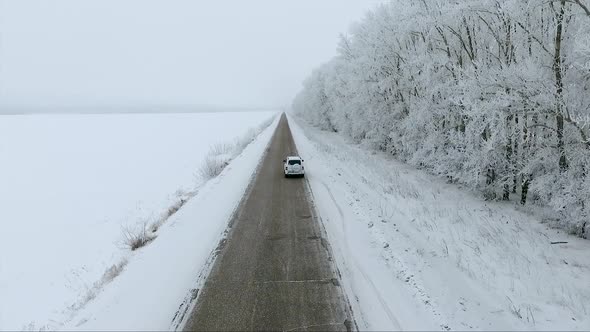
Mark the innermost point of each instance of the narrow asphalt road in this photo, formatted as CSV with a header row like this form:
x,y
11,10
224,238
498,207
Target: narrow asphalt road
x,y
274,272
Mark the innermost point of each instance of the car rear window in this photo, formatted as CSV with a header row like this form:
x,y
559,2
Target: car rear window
x,y
294,162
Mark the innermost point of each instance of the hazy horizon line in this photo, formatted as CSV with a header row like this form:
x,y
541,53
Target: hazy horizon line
x,y
127,109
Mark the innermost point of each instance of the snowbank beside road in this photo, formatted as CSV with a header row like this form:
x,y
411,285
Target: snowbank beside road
x,y
70,183
416,253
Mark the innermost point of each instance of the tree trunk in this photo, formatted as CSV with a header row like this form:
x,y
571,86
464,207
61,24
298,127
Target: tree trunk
x,y
526,146
515,153
490,178
506,194
558,71
525,189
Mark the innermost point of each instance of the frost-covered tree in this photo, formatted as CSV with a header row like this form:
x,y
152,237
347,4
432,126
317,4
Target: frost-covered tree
x,y
490,93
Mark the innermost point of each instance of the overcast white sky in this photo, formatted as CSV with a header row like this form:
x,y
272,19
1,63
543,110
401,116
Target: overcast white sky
x,y
165,52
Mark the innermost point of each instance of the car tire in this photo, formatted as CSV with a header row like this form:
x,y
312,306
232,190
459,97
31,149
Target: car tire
x,y
286,176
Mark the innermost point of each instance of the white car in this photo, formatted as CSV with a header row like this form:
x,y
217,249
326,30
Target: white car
x,y
294,166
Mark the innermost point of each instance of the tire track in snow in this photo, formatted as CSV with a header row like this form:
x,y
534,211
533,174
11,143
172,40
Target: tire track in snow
x,y
376,292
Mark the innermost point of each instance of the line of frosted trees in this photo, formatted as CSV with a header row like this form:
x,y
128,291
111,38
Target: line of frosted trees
x,y
494,94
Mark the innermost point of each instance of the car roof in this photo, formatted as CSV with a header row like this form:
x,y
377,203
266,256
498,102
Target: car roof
x,y
293,157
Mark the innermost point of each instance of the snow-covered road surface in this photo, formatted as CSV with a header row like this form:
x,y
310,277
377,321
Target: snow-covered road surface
x,y
419,254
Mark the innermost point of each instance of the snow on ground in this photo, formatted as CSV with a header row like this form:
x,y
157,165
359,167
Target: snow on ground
x,y
69,183
416,253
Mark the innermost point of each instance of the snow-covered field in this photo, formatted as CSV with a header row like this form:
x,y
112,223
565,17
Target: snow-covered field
x,y
416,253
69,184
